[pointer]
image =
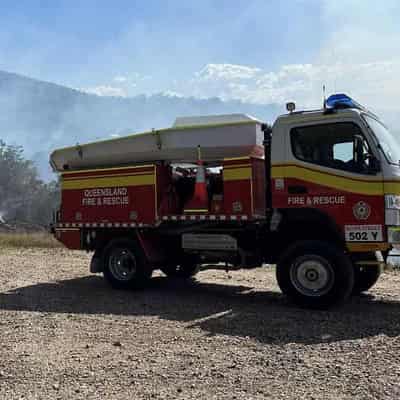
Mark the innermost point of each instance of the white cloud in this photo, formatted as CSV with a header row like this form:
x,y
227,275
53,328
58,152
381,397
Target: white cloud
x,y
374,83
359,56
122,85
227,72
120,79
105,90
136,76
171,93
131,78
365,39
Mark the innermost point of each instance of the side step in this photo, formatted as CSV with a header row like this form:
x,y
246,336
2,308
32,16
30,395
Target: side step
x,y
218,242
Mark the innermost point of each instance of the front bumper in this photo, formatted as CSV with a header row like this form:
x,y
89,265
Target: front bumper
x,y
367,247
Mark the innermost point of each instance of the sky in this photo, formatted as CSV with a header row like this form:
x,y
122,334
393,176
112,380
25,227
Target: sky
x,y
259,51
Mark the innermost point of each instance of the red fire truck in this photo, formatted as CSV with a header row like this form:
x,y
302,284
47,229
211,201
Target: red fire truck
x,y
317,194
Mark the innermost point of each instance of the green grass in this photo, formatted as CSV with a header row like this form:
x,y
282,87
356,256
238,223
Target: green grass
x,y
28,240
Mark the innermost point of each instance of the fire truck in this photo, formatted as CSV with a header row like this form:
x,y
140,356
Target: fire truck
x,y
317,195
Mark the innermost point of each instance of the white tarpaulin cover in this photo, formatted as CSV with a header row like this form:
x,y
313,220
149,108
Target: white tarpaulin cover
x,y
220,136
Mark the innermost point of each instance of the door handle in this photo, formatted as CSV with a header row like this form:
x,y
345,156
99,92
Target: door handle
x,y
297,189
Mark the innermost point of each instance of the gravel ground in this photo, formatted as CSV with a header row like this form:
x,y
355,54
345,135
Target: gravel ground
x,y
66,335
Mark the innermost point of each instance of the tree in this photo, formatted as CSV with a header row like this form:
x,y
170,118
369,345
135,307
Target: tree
x,y
23,196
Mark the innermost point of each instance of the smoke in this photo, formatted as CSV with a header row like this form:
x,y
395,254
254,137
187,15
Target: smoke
x,y
41,116
358,55
364,43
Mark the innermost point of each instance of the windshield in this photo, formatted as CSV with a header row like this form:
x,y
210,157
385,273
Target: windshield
x,y
389,144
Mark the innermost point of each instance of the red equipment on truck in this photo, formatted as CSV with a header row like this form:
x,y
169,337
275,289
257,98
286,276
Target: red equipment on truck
x,y
318,194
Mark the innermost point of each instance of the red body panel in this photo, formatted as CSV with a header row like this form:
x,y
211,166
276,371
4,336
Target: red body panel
x,y
109,196
145,195
137,205
71,238
237,197
341,205
258,186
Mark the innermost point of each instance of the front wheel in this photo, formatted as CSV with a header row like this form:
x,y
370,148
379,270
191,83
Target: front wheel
x,y
315,274
124,265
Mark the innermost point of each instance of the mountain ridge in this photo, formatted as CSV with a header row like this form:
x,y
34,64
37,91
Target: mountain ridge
x,y
41,115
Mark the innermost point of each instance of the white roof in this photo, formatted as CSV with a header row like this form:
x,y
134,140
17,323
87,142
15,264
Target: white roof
x,y
220,136
213,119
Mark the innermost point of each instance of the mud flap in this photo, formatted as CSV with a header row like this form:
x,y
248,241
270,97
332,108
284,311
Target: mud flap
x,y
96,265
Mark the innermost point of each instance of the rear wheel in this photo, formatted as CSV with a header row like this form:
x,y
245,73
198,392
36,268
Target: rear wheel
x,y
315,274
124,265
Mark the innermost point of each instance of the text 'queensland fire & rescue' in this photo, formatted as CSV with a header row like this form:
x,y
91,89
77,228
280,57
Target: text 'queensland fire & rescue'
x,y
105,197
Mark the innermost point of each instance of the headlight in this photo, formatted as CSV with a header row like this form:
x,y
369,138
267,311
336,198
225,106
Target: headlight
x,y
392,201
393,234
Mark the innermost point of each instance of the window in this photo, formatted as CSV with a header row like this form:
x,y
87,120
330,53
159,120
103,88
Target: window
x,y
343,151
332,145
389,143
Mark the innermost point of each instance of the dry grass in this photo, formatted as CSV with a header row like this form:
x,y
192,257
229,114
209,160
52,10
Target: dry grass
x,y
28,240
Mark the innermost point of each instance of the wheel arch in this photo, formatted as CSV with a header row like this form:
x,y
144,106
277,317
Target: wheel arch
x,y
306,224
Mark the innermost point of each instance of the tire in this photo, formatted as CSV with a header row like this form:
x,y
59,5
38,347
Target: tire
x,y
315,274
124,265
186,270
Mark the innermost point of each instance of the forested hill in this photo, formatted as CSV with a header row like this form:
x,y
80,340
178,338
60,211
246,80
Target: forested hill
x,y
41,116
25,200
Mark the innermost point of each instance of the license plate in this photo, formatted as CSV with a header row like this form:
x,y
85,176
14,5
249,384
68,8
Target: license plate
x,y
363,233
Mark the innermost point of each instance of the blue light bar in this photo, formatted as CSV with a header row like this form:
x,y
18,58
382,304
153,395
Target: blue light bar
x,y
340,101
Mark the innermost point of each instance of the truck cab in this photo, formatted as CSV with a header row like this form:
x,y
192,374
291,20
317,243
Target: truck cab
x,y
334,179
340,162
317,195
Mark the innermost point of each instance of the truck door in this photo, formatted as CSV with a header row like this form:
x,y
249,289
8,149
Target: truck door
x,y
333,167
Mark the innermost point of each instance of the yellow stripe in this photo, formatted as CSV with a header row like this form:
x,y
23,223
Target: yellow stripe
x,y
195,210
236,166
235,174
361,247
84,171
322,178
74,178
139,180
391,187
237,158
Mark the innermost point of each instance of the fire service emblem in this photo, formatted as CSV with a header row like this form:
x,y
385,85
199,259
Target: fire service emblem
x,y
361,210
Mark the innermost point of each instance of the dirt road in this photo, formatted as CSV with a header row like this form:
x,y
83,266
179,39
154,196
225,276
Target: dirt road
x,y
66,335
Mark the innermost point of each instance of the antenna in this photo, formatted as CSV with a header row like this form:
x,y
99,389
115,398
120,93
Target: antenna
x,y
334,64
324,96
